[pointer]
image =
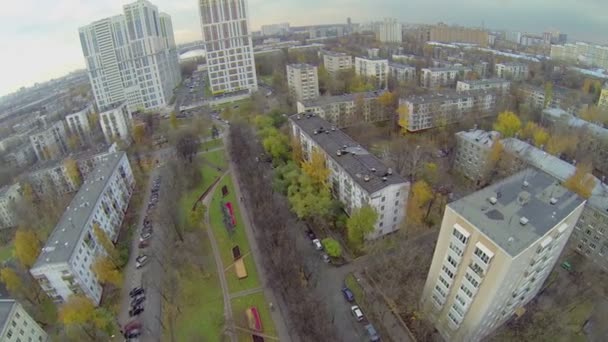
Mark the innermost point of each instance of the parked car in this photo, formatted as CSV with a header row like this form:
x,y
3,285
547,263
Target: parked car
x,y
356,311
137,301
317,244
141,260
136,311
135,333
136,291
145,236
144,244
372,333
134,324
311,235
348,294
325,258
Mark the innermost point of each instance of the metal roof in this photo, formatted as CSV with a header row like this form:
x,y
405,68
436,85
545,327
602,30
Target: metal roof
x,y
325,100
6,305
573,121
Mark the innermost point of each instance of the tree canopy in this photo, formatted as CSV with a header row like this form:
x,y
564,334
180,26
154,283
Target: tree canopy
x,y
316,169
332,247
360,223
27,247
581,181
421,196
508,124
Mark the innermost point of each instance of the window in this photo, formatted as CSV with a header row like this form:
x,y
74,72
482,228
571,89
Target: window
x,y
14,324
466,291
9,333
383,199
461,300
483,256
447,271
459,236
472,280
444,282
452,261
456,249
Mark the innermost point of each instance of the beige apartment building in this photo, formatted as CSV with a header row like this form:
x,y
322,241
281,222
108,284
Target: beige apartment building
x,y
373,68
454,34
346,110
335,62
512,71
402,73
303,81
442,77
500,85
495,250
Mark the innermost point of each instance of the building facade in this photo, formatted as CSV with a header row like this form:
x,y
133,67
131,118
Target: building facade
x,y
132,57
17,325
402,73
602,101
357,177
21,156
346,110
436,109
281,29
495,250
63,267
9,195
499,85
302,81
375,69
78,124
116,123
581,53
512,71
335,62
472,151
227,37
442,77
50,142
389,31
454,34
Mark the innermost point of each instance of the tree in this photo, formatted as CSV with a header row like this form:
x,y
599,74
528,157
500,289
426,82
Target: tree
x,y
173,120
187,145
106,271
508,124
403,111
430,173
594,114
277,145
296,150
307,200
73,172
536,133
73,142
196,215
11,280
581,181
559,143
421,196
359,112
27,247
332,247
316,169
139,134
102,238
360,223
548,94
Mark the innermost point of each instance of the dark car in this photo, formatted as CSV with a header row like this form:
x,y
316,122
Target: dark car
x,y
134,333
136,291
348,294
136,311
144,244
311,235
372,333
137,301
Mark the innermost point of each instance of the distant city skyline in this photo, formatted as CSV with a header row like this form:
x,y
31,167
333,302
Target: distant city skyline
x,y
41,37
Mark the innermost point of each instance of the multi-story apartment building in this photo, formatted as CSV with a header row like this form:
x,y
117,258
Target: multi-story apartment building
x,y
499,85
389,31
346,110
132,57
512,71
357,177
116,123
78,124
442,77
227,37
560,98
513,36
275,29
16,325
63,267
472,151
442,108
335,62
376,69
9,195
531,40
602,101
583,53
495,250
590,234
50,142
302,81
402,73
21,156
453,34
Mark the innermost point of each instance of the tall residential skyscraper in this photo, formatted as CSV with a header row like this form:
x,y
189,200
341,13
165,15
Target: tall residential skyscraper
x,y
495,250
132,57
389,31
227,38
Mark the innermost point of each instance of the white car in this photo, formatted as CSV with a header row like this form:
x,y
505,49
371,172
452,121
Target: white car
x,y
317,244
356,311
141,260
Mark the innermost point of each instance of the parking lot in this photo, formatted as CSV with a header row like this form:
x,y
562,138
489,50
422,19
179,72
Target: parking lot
x,y
192,91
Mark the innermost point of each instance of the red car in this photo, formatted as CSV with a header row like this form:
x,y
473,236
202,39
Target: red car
x,y
144,244
134,324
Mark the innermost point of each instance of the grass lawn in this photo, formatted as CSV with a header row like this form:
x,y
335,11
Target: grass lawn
x,y
210,174
217,158
207,145
354,286
6,252
239,305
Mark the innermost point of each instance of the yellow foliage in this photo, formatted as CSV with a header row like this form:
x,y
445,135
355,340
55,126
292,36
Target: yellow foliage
x,y
102,238
173,120
316,169
421,195
106,271
561,143
139,134
540,137
403,112
11,280
594,114
508,124
77,310
27,247
296,150
581,181
73,171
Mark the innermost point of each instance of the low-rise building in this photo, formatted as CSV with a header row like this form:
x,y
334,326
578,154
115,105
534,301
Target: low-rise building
x,y
442,77
335,62
512,71
346,110
9,194
63,268
50,142
357,177
78,124
457,34
499,85
402,73
560,98
442,108
116,123
495,249
275,29
375,69
472,151
302,81
16,325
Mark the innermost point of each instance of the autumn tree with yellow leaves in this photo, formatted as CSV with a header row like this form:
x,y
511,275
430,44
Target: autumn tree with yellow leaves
x,y
27,247
107,272
102,238
73,172
316,169
79,313
581,181
403,112
507,124
421,196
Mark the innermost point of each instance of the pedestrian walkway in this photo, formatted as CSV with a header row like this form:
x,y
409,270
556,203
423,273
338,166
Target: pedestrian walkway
x,y
246,292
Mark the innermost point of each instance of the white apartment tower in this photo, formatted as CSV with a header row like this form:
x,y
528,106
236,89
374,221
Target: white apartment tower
x,y
132,57
78,124
49,142
9,195
495,250
303,81
227,38
335,62
373,69
116,123
389,31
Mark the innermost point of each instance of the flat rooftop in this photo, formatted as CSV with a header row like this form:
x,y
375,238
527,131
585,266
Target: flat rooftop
x,y
353,158
336,54
302,66
446,95
573,121
480,137
526,195
6,305
400,65
62,241
486,81
450,68
325,100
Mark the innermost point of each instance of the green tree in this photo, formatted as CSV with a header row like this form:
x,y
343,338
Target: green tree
x,y
508,124
430,173
307,200
548,94
332,247
102,238
27,247
360,223
277,145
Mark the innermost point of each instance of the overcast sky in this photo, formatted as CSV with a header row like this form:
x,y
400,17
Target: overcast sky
x,y
39,37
